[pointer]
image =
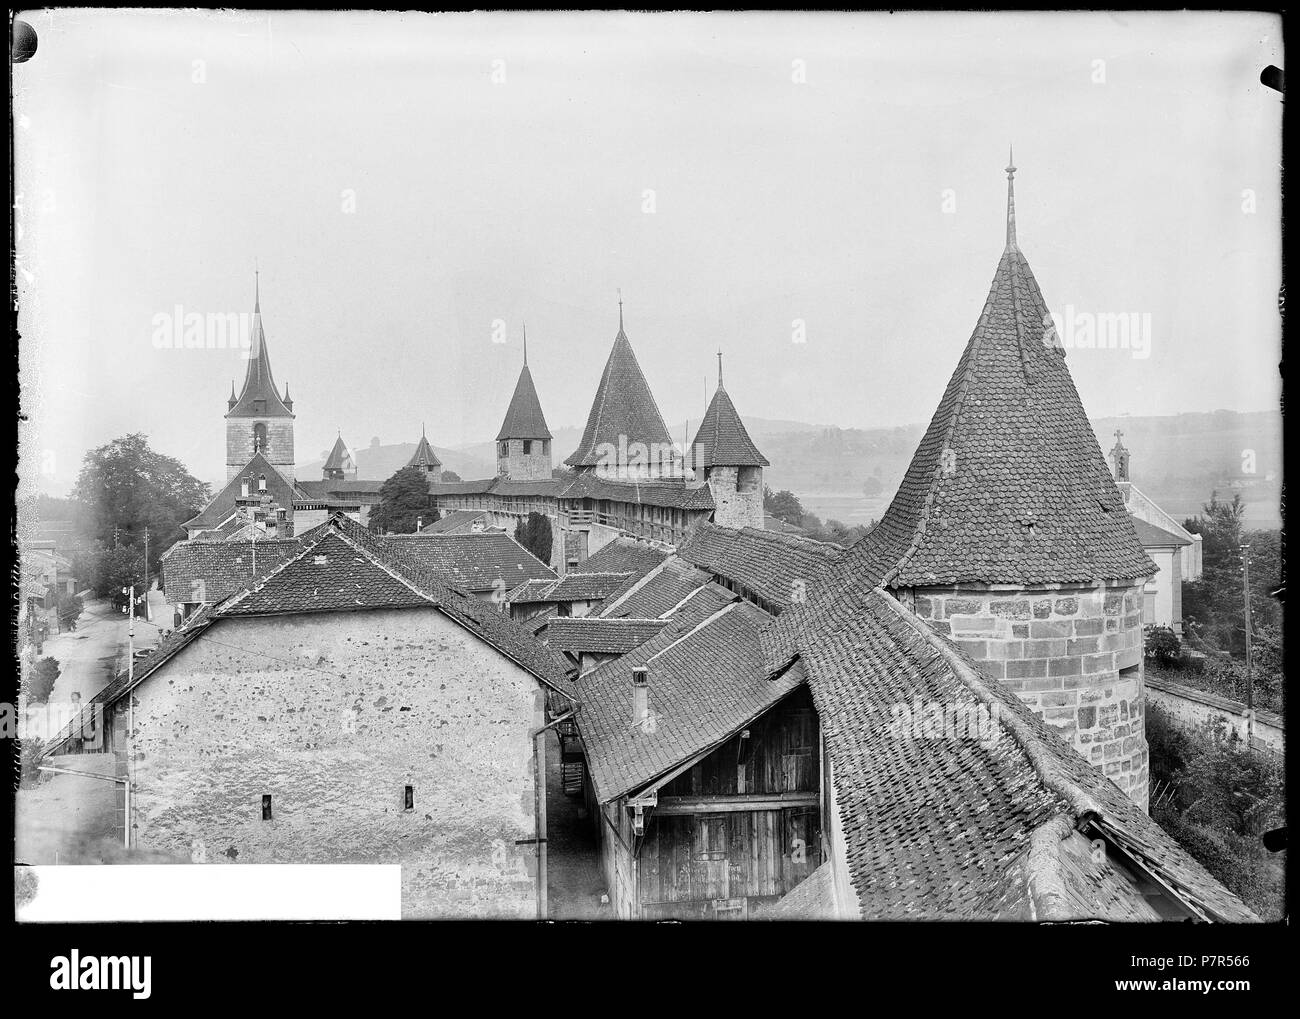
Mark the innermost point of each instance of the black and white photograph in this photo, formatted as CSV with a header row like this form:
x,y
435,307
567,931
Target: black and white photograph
x,y
640,470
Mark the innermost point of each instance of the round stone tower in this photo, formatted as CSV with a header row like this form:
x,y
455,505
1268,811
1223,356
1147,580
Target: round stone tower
x,y
1009,535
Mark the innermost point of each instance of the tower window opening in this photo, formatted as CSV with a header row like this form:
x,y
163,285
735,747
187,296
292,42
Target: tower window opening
x,y
266,807
408,798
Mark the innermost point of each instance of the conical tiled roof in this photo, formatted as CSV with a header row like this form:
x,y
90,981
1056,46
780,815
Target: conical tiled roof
x,y
258,383
424,455
623,407
340,458
524,417
1008,484
722,438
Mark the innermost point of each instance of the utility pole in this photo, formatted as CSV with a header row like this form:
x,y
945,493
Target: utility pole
x,y
146,574
1250,682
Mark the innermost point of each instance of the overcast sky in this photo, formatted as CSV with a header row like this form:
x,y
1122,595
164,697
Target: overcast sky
x,y
399,197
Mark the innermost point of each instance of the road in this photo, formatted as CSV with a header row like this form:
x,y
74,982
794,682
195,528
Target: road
x,y
89,656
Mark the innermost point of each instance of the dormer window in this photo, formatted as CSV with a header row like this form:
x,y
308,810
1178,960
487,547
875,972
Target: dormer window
x,y
259,406
261,482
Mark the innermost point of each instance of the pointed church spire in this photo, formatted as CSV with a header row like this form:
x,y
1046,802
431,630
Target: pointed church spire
x,y
1011,200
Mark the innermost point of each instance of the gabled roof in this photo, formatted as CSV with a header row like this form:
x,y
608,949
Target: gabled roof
x,y
358,573
623,407
280,489
258,383
1008,484
474,561
458,521
340,457
674,494
722,438
705,683
424,455
628,554
592,635
571,587
209,571
776,567
524,418
655,593
1152,536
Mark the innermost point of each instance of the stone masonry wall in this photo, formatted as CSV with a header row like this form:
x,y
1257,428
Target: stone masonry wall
x,y
239,444
733,508
332,715
1073,654
519,466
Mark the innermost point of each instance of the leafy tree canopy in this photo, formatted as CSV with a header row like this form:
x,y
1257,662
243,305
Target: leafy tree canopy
x,y
403,503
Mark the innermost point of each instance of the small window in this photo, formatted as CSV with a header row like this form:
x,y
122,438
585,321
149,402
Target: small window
x,y
528,446
261,482
408,798
266,807
546,447
243,488
503,449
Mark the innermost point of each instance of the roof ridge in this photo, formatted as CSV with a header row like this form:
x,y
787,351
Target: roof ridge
x,y
653,572
707,621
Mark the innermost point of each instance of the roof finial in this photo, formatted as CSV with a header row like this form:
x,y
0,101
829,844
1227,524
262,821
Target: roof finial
x,y
1011,200
620,309
422,435
525,344
257,288
719,367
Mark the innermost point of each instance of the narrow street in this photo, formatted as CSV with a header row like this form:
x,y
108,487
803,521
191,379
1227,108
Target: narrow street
x,y
91,654
574,880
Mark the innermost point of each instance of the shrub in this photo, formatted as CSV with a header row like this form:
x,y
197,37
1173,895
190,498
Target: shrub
x,y
40,680
1161,644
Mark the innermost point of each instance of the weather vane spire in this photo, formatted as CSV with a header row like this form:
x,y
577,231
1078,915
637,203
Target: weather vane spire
x,y
525,344
1011,199
620,309
719,367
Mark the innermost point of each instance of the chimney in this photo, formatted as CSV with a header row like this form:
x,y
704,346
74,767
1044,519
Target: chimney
x,y
640,695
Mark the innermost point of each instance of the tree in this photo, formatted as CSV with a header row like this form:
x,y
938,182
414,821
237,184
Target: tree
x,y
40,680
784,505
448,476
125,487
1161,644
534,534
872,486
403,503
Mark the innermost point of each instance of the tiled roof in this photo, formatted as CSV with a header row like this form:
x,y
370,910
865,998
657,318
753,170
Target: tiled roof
x,y
424,455
480,487
453,521
655,593
530,591
705,683
722,438
776,567
524,418
477,561
916,811
1152,536
1008,484
201,570
673,494
586,586
623,407
280,489
329,574
354,491
813,898
601,636
638,557
258,383
359,573
771,523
